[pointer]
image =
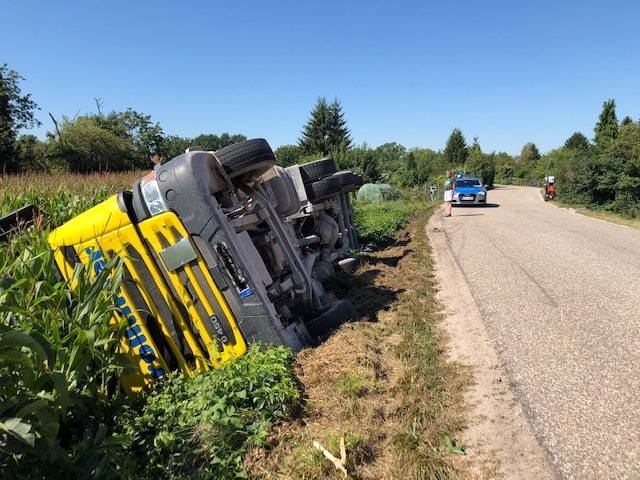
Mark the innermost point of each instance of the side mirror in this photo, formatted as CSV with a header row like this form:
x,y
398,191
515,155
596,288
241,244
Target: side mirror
x,y
17,220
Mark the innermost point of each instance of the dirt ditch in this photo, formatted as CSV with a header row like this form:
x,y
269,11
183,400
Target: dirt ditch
x,y
380,387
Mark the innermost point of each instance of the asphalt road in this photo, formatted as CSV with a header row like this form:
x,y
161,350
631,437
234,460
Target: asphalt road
x,y
560,297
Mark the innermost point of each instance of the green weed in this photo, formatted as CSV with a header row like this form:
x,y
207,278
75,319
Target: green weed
x,y
379,223
201,427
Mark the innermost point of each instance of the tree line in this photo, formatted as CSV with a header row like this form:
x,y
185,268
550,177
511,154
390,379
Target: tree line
x,y
603,172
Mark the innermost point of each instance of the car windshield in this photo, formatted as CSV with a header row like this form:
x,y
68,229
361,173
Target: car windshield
x,y
468,183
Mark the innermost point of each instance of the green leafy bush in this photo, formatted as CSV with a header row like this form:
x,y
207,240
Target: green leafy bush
x,y
201,427
379,223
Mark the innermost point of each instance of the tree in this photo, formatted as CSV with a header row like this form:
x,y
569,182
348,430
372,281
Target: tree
x,y
16,113
326,130
144,137
626,121
474,159
174,145
370,167
84,145
578,142
361,159
409,172
287,155
529,155
427,163
606,130
211,142
504,167
30,154
627,147
480,163
456,152
390,156
339,134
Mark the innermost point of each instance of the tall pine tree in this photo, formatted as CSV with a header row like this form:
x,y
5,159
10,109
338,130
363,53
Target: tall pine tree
x,y
456,151
326,130
606,130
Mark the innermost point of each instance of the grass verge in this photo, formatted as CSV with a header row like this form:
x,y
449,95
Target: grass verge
x,y
381,386
606,216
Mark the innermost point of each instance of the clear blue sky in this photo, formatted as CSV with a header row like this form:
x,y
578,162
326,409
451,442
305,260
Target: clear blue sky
x,y
508,72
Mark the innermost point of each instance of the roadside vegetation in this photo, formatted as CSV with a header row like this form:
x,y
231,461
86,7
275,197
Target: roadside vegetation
x,y
390,396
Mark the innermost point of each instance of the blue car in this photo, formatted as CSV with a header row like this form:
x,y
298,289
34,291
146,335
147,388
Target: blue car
x,y
469,190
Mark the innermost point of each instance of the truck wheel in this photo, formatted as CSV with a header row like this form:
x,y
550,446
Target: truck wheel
x,y
246,160
349,180
313,171
284,191
336,314
323,188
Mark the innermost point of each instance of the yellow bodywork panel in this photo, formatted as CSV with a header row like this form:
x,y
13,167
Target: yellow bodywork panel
x,y
95,222
167,228
163,285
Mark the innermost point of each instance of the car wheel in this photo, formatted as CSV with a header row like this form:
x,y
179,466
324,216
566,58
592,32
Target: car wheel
x,y
246,160
336,314
322,168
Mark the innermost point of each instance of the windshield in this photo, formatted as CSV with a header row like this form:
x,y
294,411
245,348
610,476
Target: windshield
x,y
468,183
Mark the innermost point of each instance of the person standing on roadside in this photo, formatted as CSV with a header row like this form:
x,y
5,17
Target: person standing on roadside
x,y
449,189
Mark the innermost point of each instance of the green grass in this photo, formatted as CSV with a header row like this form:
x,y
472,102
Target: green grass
x,y
379,223
431,388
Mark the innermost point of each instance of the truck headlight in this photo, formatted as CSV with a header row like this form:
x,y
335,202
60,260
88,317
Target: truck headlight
x,y
153,197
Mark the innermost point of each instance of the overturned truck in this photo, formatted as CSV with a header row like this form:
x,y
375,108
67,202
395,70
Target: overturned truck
x,y
220,250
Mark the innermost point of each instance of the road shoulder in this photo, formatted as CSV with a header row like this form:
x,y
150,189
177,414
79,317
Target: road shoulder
x,y
499,442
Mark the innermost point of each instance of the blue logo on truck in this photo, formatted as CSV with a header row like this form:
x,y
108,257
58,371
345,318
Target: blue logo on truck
x,y
137,340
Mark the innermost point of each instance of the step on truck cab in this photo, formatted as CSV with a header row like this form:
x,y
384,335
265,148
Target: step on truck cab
x,y
211,263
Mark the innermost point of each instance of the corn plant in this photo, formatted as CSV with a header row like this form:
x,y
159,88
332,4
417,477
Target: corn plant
x,y
58,359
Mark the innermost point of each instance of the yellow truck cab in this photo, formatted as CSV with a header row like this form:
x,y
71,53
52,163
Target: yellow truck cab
x,y
214,260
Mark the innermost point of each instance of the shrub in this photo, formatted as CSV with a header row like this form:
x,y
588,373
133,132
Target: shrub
x,y
201,427
378,223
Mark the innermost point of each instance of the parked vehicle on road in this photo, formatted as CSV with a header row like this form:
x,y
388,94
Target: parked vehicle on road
x,y
469,190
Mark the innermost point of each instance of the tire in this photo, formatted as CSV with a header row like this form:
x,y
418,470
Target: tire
x,y
322,189
345,177
350,181
17,220
246,160
336,313
284,191
322,168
